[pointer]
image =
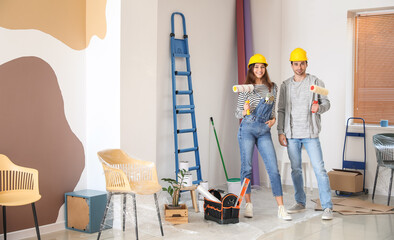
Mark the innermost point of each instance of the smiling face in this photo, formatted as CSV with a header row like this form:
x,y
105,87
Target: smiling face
x,y
299,68
259,70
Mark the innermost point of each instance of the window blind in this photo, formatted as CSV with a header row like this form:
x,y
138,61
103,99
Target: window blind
x,y
374,68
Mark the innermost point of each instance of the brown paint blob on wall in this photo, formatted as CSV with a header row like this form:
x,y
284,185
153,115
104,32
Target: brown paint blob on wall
x,y
74,22
34,133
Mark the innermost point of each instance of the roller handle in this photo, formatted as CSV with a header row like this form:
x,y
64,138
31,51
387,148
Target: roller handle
x,y
314,102
247,111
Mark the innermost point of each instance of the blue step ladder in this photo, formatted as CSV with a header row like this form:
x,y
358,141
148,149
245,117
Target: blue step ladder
x,y
356,165
180,50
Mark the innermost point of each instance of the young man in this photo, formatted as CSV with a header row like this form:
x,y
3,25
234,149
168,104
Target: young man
x,y
299,125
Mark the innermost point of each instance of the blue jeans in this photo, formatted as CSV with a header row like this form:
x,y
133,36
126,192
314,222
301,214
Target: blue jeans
x,y
313,148
256,132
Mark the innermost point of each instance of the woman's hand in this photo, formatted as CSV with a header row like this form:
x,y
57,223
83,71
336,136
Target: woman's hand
x,y
271,122
246,108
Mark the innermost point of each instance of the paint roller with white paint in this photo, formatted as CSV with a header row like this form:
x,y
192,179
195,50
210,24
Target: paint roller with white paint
x,y
243,88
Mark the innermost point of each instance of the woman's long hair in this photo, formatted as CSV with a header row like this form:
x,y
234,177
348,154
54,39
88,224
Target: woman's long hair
x,y
251,78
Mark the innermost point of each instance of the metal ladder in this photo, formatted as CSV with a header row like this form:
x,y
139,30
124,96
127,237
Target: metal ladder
x,y
180,49
356,165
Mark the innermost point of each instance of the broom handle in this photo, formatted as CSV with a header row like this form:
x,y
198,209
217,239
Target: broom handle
x,y
220,151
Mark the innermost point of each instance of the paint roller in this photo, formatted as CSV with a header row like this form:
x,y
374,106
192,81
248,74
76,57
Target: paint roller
x,y
206,194
318,90
244,88
244,187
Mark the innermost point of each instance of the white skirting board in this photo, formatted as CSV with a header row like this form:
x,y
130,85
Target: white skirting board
x,y
31,232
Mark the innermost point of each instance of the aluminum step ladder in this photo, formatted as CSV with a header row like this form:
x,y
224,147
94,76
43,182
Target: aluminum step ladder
x,y
180,51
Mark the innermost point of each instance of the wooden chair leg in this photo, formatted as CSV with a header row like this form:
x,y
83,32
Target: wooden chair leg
x,y
105,215
158,213
4,223
135,216
374,184
194,201
33,206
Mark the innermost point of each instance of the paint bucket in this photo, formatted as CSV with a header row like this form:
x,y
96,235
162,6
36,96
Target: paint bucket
x,y
184,165
188,180
234,185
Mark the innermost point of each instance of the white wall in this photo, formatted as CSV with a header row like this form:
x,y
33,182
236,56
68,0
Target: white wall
x,y
139,78
147,124
102,96
323,29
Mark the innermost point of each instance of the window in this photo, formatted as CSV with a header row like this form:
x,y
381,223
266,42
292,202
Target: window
x,y
374,67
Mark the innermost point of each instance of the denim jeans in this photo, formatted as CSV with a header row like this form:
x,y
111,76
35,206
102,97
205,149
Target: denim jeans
x,y
313,148
254,131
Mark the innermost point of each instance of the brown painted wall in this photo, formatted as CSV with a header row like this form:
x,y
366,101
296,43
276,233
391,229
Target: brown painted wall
x,y
34,132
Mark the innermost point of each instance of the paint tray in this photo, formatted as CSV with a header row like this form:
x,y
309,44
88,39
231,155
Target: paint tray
x,y
222,212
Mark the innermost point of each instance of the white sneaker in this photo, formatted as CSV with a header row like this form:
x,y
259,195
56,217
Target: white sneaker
x,y
282,213
249,210
327,214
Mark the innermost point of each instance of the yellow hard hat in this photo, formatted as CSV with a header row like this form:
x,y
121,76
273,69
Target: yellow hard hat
x,y
298,55
257,58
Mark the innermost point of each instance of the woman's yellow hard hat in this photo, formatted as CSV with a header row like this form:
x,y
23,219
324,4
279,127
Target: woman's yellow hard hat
x,y
257,58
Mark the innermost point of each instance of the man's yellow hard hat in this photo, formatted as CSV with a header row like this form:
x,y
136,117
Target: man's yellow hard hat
x,y
298,55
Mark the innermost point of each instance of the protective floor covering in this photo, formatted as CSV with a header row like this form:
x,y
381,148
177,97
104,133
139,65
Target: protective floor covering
x,y
353,206
265,220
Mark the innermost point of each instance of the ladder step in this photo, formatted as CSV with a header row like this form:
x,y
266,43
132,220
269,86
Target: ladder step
x,y
187,150
355,134
184,106
181,55
186,130
353,164
182,73
184,92
194,168
184,111
197,182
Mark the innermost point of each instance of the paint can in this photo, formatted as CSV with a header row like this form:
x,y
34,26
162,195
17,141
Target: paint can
x,y
184,165
234,185
188,180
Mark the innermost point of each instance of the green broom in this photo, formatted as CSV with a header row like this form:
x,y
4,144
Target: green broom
x,y
221,156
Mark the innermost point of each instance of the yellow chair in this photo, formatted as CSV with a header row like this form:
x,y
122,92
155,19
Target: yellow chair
x,y
18,186
125,175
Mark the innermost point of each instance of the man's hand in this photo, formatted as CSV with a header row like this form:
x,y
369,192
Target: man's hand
x,y
315,107
282,140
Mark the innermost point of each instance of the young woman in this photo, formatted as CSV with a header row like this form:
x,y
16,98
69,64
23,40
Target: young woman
x,y
257,111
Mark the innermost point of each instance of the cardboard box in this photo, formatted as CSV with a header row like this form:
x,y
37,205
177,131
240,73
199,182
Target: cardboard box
x,y
346,180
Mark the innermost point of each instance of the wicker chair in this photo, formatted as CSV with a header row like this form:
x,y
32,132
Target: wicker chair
x,y
384,148
125,175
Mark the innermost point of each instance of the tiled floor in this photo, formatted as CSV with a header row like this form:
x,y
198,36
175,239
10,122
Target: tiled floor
x,y
264,225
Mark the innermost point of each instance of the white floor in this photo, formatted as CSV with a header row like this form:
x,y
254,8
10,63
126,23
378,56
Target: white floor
x,y
264,225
